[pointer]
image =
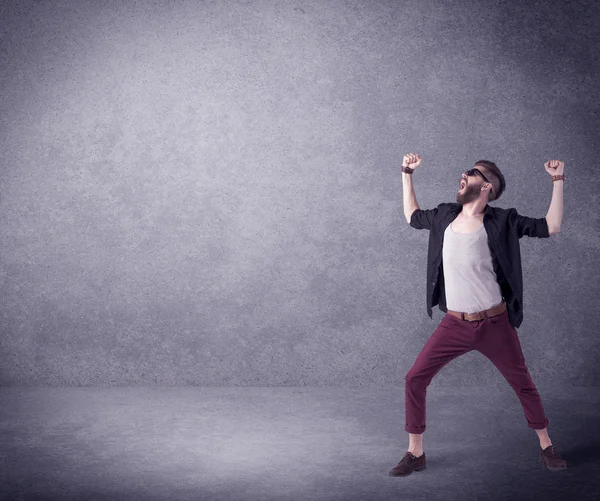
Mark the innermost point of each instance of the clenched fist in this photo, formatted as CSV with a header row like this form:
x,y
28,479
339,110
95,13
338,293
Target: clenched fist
x,y
411,160
554,167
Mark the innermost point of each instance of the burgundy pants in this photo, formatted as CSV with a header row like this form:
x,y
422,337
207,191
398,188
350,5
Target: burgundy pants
x,y
496,339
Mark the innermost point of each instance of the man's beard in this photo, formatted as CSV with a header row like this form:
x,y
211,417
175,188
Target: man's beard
x,y
465,196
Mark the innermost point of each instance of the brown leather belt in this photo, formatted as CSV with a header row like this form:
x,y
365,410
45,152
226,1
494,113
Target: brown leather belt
x,y
480,315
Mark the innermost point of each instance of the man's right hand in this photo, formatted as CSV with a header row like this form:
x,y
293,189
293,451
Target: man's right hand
x,y
411,160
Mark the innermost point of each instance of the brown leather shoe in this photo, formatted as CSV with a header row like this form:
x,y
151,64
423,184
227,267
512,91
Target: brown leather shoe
x,y
552,459
409,464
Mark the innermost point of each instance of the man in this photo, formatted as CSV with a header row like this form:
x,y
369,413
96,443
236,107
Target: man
x,y
474,275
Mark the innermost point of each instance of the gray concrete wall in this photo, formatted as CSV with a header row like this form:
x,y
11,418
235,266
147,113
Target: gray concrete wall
x,y
210,193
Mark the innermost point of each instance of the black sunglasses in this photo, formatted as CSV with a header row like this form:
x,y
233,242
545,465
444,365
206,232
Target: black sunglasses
x,y
474,171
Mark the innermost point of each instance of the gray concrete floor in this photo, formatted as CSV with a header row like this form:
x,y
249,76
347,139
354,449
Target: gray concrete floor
x,y
289,444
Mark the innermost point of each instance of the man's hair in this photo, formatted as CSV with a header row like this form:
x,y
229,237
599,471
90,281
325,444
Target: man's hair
x,y
497,179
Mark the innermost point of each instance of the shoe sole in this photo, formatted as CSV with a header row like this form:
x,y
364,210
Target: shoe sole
x,y
560,468
420,468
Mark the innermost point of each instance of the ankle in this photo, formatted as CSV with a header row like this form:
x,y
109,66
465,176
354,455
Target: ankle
x,y
416,452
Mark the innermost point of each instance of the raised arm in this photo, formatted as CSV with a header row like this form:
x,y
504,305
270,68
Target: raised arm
x,y
412,161
554,217
408,193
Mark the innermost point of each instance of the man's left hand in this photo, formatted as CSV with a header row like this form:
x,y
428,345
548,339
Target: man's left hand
x,y
554,167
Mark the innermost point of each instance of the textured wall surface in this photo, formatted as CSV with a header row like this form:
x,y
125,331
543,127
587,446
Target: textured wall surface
x,y
210,192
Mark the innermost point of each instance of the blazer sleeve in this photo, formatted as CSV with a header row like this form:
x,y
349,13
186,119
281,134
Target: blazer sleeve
x,y
529,226
422,219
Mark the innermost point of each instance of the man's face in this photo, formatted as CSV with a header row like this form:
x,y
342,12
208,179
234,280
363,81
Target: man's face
x,y
470,187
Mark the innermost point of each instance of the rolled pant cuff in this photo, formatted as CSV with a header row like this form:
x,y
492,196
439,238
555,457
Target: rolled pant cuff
x,y
537,426
414,429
